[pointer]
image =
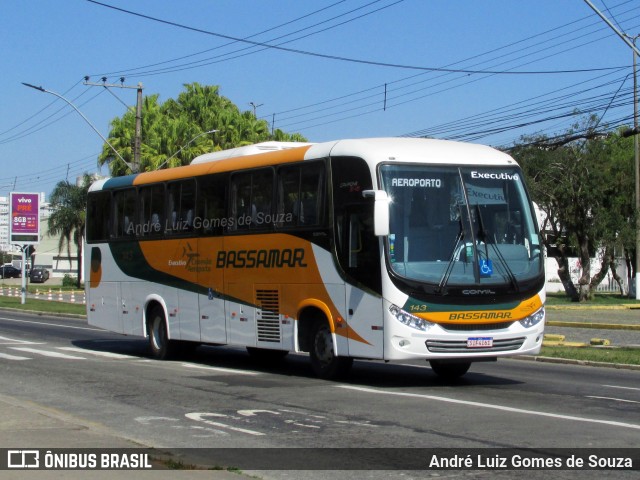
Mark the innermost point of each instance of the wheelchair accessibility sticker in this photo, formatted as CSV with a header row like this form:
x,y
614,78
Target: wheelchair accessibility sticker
x,y
486,267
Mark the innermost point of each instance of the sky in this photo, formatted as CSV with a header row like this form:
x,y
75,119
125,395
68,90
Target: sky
x,y
485,71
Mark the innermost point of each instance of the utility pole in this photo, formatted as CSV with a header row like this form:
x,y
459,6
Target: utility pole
x,y
631,42
636,149
137,145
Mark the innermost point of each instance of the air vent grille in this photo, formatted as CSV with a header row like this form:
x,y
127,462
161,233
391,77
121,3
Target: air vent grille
x,y
267,316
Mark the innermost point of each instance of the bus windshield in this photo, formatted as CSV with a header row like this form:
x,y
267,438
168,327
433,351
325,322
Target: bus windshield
x,y
461,225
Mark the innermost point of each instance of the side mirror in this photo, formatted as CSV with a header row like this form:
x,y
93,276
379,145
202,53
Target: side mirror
x,y
381,203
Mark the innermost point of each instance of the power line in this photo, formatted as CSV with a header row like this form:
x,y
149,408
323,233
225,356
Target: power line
x,y
347,59
132,71
252,49
376,91
32,129
372,106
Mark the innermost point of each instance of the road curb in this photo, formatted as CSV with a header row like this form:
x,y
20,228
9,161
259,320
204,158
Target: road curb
x,y
569,361
591,307
43,314
599,326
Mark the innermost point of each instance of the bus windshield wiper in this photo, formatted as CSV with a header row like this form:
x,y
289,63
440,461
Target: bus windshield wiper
x,y
483,235
452,258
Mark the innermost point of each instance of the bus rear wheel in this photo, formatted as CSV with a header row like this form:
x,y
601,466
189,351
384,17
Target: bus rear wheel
x,y
449,370
324,362
159,344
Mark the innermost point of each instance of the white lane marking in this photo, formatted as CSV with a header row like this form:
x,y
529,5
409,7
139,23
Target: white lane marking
x,y
253,413
624,388
148,420
358,424
47,353
298,424
97,353
199,417
6,356
220,369
493,407
611,398
14,341
52,324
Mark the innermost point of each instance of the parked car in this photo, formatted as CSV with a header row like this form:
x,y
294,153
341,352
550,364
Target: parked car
x,y
9,271
38,275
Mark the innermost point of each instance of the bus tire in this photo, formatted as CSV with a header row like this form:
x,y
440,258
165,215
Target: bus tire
x,y
324,362
159,344
449,370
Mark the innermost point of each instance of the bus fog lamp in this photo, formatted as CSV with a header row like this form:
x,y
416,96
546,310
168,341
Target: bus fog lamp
x,y
408,319
533,319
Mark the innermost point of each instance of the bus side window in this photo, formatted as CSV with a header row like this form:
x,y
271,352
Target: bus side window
x,y
300,194
288,196
251,199
151,205
311,193
211,207
98,208
125,213
181,203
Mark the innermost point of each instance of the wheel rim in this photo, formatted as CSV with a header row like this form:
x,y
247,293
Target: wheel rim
x,y
324,346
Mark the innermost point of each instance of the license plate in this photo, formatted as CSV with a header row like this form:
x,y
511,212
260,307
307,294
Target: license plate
x,y
479,342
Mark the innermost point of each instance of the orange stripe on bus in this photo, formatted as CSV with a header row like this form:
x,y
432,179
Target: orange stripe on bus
x,y
470,317
224,165
208,262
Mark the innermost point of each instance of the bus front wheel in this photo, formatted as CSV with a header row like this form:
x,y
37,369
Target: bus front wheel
x,y
449,370
324,362
160,345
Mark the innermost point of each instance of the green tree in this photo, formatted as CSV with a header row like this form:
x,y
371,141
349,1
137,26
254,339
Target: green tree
x,y
583,189
68,202
167,127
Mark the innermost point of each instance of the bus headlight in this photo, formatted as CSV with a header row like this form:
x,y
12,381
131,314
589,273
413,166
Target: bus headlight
x,y
533,319
409,320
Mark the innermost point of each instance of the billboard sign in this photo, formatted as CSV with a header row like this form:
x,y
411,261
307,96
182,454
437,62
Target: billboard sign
x,y
25,218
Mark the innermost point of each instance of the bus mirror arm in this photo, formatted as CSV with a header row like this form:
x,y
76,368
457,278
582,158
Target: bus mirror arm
x,y
381,202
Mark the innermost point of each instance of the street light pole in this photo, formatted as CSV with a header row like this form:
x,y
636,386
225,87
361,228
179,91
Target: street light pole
x,y
85,119
184,146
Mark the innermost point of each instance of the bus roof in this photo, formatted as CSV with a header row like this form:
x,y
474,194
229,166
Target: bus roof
x,y
423,150
374,150
377,149
247,150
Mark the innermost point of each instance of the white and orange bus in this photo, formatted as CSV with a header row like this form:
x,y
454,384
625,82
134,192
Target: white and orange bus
x,y
387,249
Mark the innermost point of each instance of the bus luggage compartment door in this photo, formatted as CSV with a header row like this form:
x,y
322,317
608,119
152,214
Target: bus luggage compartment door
x,y
104,307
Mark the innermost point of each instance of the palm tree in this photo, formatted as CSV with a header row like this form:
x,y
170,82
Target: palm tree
x,y
68,202
169,126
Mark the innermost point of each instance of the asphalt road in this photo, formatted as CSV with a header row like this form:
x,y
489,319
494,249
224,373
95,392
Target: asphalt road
x,y
219,397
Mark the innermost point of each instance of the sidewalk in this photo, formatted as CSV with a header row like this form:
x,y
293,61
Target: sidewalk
x,y
27,425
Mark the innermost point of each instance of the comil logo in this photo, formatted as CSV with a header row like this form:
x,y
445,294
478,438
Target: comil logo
x,y
23,459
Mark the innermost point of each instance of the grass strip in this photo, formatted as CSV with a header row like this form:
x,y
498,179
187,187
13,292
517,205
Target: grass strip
x,y
625,355
44,306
